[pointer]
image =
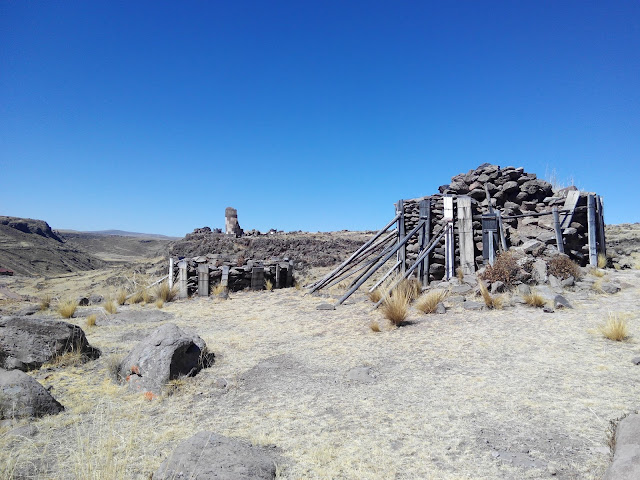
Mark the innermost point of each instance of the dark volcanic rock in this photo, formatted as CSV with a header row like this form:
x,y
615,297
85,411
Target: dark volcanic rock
x,y
27,342
22,396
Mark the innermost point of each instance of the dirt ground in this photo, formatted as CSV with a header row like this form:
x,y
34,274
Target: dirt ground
x,y
515,393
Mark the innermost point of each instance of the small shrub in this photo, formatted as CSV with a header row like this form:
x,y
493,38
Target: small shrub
x,y
67,308
562,267
91,320
159,303
110,306
504,269
534,299
493,302
460,273
268,285
596,272
218,289
409,288
146,296
45,302
597,287
113,367
395,307
137,297
428,302
374,326
602,260
121,296
616,328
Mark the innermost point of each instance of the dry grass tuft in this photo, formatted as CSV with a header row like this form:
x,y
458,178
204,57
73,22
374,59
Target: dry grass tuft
x,y
121,296
375,326
218,289
268,284
597,272
409,288
159,303
68,359
493,302
505,269
147,297
164,293
45,302
67,308
113,367
460,273
602,260
395,307
91,320
110,306
562,267
428,302
534,299
597,287
375,296
616,328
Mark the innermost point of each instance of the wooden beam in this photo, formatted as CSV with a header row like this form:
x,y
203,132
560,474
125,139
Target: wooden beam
x,y
465,235
402,252
449,247
203,280
384,277
182,280
602,243
592,230
170,273
425,236
257,278
558,229
569,208
503,238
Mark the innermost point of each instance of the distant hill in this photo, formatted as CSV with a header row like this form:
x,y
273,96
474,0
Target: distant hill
x,y
120,233
31,247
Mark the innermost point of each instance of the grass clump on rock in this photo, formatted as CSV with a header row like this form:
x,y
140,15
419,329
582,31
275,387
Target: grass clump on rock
x,y
428,302
67,308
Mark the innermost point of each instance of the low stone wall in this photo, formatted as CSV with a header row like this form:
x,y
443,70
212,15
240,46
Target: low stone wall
x,y
240,274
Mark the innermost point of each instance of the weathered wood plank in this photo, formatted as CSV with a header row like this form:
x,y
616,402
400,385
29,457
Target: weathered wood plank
x,y
569,208
465,235
203,280
402,252
257,278
449,247
592,230
224,279
425,236
278,275
558,230
182,280
602,242
170,273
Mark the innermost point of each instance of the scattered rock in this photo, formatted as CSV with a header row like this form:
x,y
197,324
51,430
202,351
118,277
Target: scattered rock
x,y
498,287
21,396
361,375
326,306
208,456
636,361
96,299
524,289
610,288
567,282
83,302
441,309
561,302
626,458
28,310
470,305
547,309
461,289
167,353
29,342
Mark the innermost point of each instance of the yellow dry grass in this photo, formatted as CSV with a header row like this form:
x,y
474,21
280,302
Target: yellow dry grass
x,y
428,302
395,307
491,301
159,303
67,308
164,293
121,296
268,285
534,299
45,302
110,306
602,260
91,320
616,328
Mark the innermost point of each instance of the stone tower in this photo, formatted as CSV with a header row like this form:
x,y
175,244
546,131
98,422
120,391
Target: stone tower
x,y
232,227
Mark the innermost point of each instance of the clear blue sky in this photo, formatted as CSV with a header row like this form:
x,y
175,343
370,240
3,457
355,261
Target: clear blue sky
x,y
155,116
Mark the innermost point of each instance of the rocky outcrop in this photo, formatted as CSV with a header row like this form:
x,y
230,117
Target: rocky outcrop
x,y
208,456
626,458
21,397
166,354
232,227
27,342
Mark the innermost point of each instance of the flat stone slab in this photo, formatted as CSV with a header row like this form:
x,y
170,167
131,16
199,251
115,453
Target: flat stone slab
x,y
326,306
626,458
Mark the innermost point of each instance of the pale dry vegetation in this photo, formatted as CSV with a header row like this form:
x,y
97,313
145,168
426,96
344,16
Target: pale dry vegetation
x,y
67,308
45,302
395,307
491,301
534,299
616,327
110,306
121,296
91,320
428,302
166,294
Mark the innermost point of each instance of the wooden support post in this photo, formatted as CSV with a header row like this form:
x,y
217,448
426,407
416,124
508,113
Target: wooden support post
x,y
558,229
257,278
182,280
224,279
170,273
602,243
425,236
503,239
290,274
449,247
203,280
465,235
277,275
592,230
402,252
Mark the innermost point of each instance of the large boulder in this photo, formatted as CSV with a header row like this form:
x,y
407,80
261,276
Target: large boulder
x,y
166,354
27,342
21,396
208,456
626,459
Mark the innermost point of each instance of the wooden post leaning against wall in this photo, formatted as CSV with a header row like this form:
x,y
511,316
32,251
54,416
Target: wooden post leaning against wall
x,y
558,229
182,279
257,278
224,279
278,276
290,274
465,235
402,253
170,273
592,230
602,242
203,280
425,237
449,247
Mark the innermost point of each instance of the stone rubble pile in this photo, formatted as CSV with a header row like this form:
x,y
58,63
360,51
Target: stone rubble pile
x,y
513,192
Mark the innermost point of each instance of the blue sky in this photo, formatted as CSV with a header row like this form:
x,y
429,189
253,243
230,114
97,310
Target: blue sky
x,y
318,116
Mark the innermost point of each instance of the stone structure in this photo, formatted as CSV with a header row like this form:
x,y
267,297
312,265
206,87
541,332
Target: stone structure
x,y
231,225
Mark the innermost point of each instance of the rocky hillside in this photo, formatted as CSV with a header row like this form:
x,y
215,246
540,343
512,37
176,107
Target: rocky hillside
x,y
30,247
